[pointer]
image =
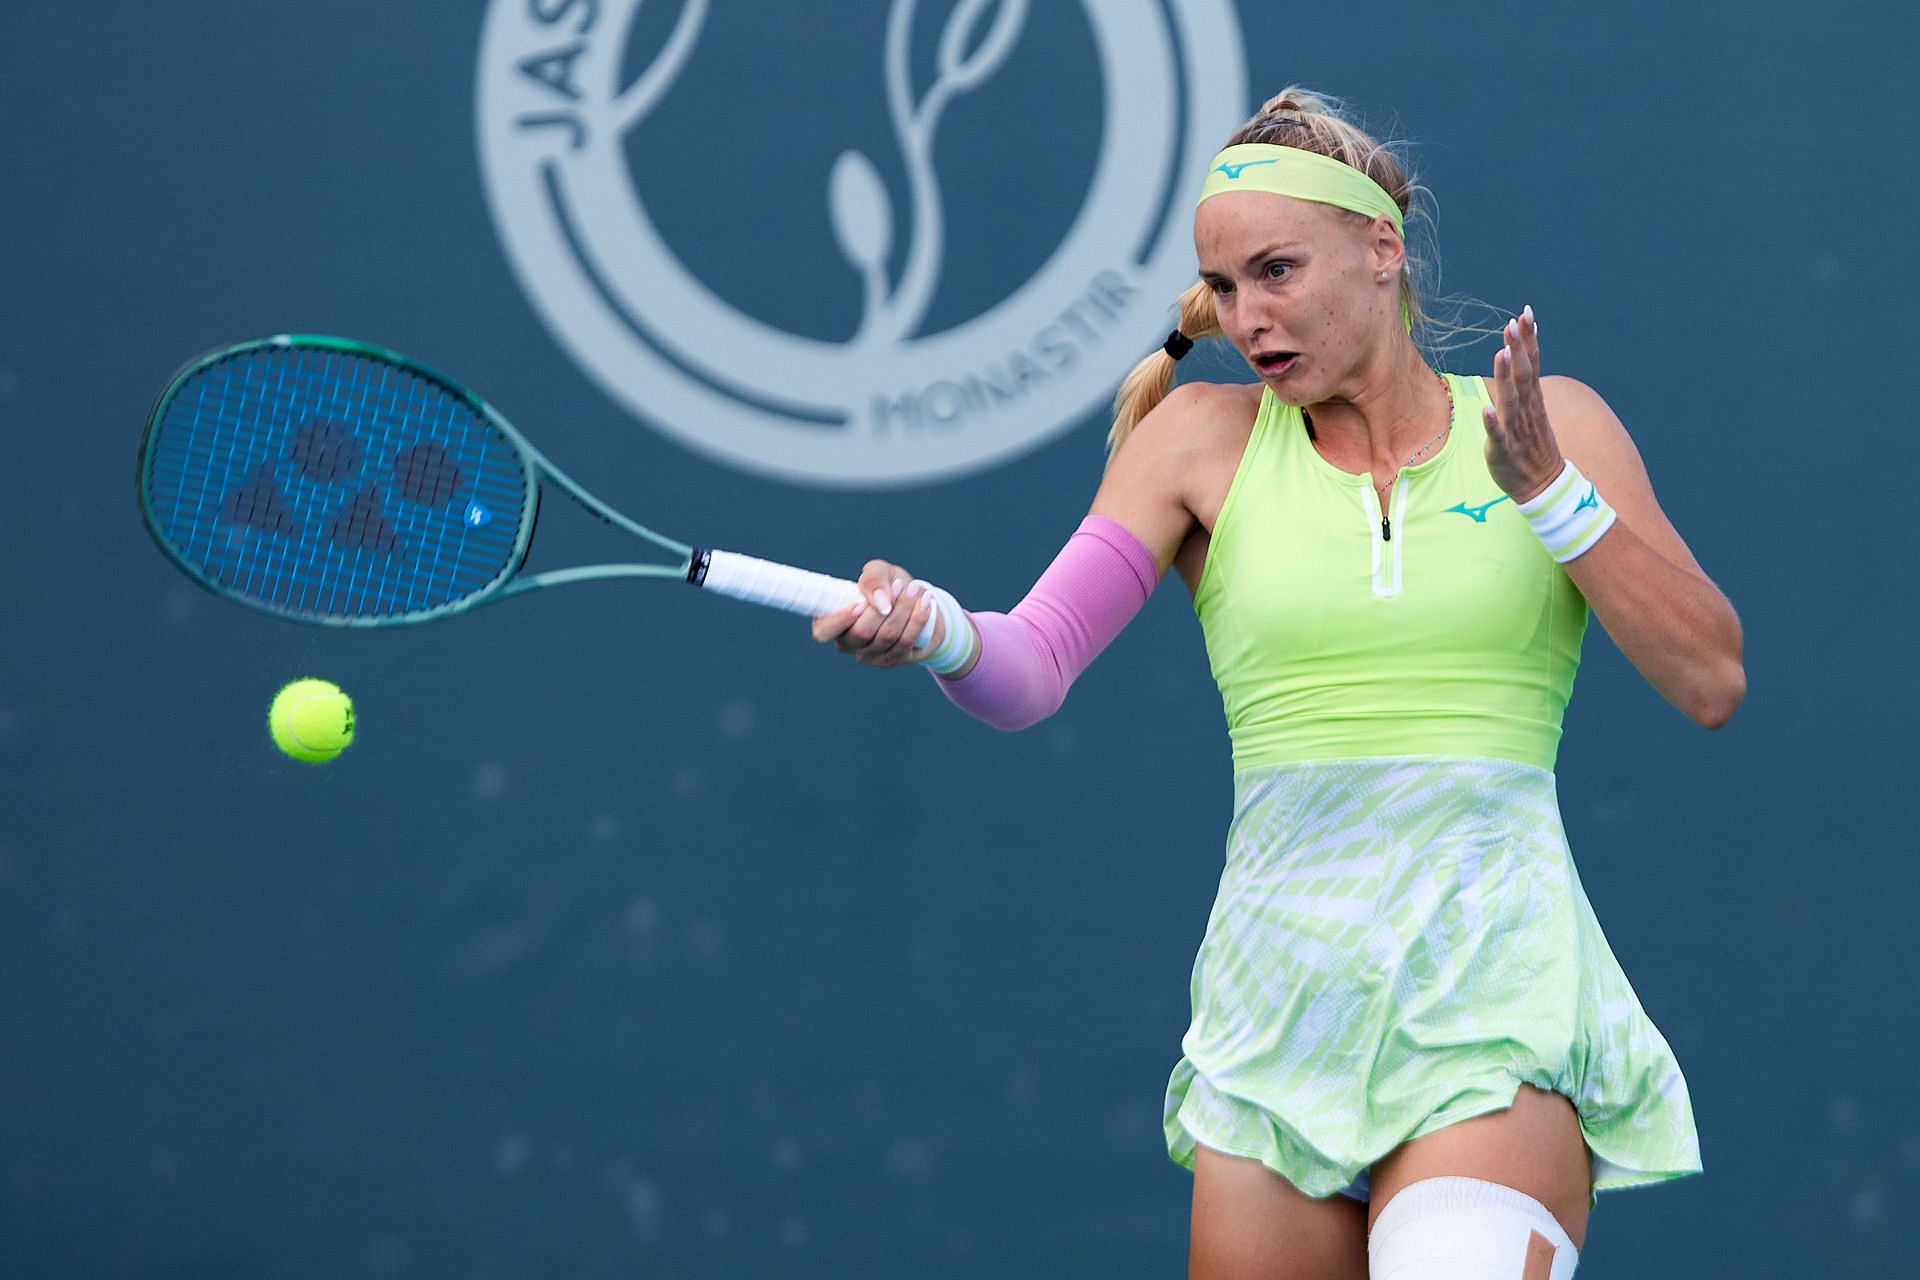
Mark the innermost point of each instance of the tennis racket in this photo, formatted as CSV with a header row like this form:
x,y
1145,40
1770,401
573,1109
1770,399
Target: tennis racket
x,y
333,482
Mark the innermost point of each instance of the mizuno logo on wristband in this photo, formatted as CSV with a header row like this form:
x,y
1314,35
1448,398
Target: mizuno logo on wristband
x,y
1591,500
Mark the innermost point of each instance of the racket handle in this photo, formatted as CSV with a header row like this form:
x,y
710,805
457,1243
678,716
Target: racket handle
x,y
778,586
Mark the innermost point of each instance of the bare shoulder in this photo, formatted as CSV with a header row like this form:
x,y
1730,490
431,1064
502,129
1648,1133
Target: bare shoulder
x,y
1593,437
1162,471
1577,410
1197,417
1591,433
1188,435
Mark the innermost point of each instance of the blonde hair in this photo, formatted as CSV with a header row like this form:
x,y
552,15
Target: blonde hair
x,y
1294,117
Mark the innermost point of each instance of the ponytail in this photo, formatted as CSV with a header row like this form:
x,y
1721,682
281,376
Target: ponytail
x,y
1152,378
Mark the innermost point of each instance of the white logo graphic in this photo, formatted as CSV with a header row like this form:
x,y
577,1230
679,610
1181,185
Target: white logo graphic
x,y
893,404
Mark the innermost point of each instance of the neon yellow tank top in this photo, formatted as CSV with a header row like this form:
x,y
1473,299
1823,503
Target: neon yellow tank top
x,y
1450,632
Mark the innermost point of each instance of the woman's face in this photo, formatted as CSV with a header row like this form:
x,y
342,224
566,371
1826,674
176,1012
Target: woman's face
x,y
1298,289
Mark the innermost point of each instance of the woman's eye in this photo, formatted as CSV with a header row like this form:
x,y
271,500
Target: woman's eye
x,y
1221,287
1277,270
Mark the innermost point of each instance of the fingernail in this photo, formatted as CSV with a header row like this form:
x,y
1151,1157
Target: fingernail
x,y
1513,329
1527,311
916,589
883,603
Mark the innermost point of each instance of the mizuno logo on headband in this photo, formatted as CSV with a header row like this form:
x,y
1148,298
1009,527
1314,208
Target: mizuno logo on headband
x,y
1233,171
1302,175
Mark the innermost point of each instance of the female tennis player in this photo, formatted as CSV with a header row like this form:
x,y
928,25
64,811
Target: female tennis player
x,y
1412,1053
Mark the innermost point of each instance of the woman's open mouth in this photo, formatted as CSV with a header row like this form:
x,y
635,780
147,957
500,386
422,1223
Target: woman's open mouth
x,y
1276,364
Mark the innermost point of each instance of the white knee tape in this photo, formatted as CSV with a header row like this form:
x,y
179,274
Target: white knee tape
x,y
1463,1229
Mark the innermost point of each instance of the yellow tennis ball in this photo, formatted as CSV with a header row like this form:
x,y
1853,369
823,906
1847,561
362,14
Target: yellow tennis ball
x,y
311,720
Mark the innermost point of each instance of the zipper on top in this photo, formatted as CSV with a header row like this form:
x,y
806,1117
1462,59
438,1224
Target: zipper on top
x,y
1386,550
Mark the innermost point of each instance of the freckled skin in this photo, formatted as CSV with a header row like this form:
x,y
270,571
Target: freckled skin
x,y
1297,275
1324,305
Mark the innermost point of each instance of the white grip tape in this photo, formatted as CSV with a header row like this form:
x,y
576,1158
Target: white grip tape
x,y
781,586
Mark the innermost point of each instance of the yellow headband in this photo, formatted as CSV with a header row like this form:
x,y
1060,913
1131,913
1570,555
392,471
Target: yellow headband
x,y
1304,175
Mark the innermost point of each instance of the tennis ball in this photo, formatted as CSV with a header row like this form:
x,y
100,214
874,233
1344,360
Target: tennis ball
x,y
311,720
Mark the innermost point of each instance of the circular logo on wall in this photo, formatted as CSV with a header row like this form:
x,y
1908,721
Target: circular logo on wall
x,y
558,106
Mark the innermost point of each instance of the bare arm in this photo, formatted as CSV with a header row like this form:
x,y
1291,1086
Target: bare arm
x,y
1147,485
1639,579
1143,492
1144,489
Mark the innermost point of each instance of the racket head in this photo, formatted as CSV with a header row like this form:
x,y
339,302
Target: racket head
x,y
335,482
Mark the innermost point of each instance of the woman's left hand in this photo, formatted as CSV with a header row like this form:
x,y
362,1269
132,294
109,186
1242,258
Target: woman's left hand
x,y
1522,453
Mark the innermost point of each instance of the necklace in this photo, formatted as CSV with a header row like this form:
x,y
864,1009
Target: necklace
x,y
1414,457
1380,490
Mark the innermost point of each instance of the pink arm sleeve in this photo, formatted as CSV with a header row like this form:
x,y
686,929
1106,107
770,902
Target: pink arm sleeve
x,y
1032,654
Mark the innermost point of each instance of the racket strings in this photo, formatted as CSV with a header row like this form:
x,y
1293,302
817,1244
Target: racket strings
x,y
325,451
364,526
426,474
334,485
258,504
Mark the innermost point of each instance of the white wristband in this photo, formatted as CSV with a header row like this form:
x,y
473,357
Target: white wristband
x,y
958,644
1568,516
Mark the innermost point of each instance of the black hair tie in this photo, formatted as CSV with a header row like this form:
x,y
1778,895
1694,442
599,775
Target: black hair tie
x,y
1177,344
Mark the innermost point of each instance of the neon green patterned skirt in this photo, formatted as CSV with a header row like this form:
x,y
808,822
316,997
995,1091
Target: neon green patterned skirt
x,y
1398,945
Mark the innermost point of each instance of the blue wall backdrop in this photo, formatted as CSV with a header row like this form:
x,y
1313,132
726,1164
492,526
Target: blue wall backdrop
x,y
638,936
